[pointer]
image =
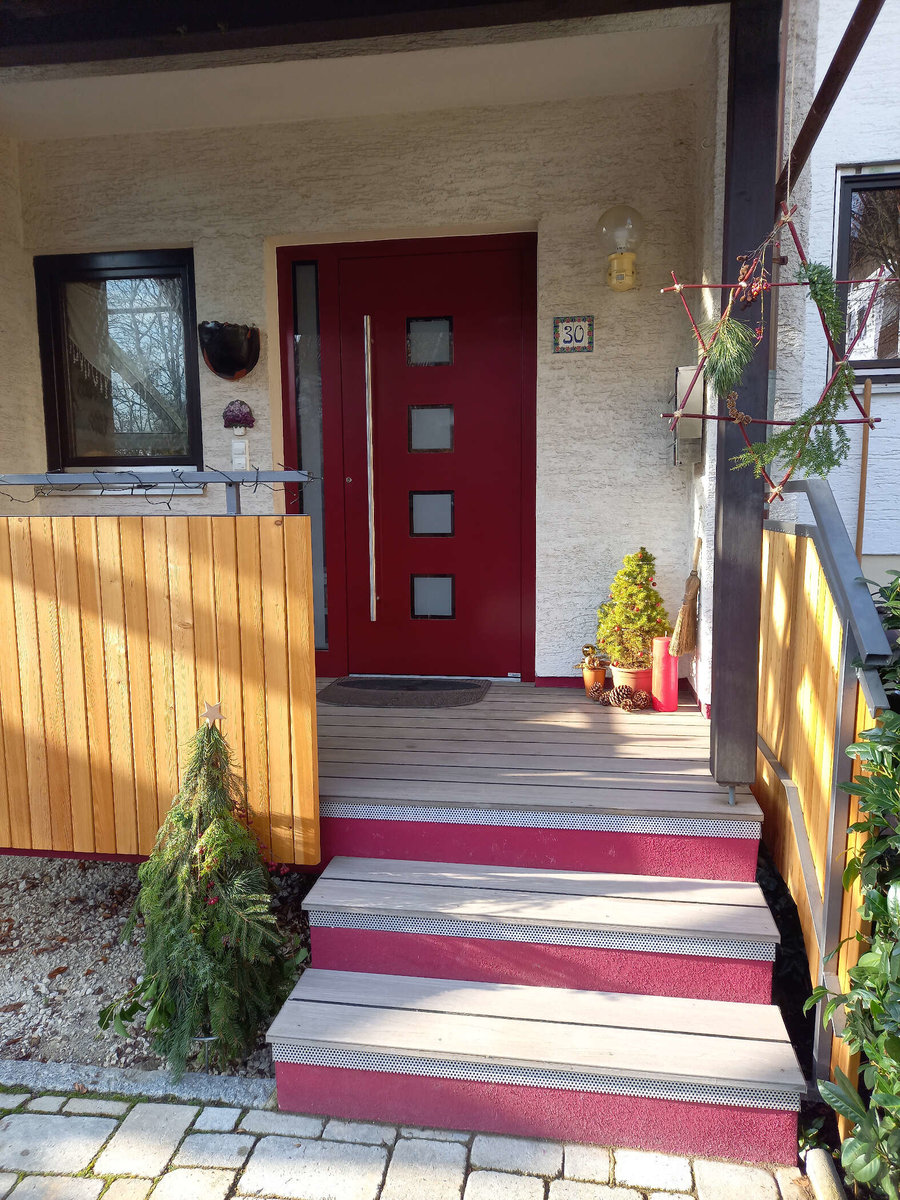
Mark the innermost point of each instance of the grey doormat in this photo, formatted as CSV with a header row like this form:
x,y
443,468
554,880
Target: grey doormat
x,y
390,691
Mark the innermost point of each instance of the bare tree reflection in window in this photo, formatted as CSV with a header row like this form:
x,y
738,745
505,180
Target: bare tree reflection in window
x,y
875,243
127,392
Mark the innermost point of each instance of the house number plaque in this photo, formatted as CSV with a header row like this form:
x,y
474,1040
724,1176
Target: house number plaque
x,y
573,335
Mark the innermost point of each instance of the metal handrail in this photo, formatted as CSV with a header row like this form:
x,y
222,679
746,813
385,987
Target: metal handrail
x,y
134,477
841,566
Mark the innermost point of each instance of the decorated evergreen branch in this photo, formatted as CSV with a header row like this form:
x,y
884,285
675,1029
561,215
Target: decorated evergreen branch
x,y
816,442
730,344
215,962
634,615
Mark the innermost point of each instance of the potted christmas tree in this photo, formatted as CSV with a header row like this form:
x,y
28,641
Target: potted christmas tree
x,y
629,621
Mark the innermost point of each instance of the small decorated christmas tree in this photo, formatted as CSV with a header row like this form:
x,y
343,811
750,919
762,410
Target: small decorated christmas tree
x,y
215,962
633,616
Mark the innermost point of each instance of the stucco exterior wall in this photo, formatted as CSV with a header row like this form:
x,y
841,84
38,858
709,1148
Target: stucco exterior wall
x,y
605,480
861,134
711,115
21,410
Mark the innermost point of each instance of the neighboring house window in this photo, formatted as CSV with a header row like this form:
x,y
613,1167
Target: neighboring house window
x,y
869,239
119,359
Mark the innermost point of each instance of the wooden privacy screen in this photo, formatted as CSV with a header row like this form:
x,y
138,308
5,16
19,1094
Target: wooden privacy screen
x,y
799,661
116,630
799,667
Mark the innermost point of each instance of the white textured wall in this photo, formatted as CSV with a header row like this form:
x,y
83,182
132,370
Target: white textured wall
x,y
605,479
22,445
863,131
710,119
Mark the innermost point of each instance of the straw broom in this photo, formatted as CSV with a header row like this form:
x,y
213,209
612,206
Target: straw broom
x,y
684,637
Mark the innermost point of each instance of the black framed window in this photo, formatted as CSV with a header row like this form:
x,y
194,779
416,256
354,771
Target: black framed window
x,y
118,335
869,239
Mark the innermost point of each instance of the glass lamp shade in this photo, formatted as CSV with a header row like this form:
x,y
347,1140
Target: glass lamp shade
x,y
621,229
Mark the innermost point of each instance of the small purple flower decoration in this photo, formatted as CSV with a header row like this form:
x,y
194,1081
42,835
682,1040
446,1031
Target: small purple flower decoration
x,y
238,415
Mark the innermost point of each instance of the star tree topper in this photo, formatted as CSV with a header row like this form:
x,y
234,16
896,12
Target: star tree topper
x,y
213,712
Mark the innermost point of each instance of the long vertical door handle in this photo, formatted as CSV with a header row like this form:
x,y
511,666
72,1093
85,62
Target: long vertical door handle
x,y
370,465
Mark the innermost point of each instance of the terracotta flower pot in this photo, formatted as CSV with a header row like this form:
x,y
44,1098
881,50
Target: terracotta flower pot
x,y
638,681
592,676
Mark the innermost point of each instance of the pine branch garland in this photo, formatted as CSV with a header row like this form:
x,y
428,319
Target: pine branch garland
x,y
815,439
730,346
215,962
823,292
815,443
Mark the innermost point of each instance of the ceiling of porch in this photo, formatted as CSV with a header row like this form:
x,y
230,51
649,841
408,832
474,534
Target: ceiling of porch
x,y
654,58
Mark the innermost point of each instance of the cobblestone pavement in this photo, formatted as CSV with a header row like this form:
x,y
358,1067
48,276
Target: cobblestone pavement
x,y
57,1147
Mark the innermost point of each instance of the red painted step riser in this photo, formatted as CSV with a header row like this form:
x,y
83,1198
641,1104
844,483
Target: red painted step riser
x,y
553,849
672,1126
439,957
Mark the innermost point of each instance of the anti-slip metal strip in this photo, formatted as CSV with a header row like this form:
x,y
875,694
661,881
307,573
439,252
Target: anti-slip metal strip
x,y
598,822
547,935
653,1089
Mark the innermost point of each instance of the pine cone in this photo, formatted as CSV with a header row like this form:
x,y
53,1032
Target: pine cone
x,y
628,704
623,692
642,699
594,691
605,697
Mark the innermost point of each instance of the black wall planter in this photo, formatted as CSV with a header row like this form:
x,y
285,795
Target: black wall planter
x,y
230,351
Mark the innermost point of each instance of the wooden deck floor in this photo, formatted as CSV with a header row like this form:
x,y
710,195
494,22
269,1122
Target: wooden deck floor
x,y
549,744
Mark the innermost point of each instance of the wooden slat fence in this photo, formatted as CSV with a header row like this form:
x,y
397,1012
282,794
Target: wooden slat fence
x,y
115,632
799,695
800,647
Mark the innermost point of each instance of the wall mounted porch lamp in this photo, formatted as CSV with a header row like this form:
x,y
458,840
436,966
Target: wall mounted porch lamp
x,y
621,230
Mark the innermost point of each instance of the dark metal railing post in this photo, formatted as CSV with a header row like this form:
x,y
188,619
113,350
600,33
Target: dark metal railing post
x,y
232,499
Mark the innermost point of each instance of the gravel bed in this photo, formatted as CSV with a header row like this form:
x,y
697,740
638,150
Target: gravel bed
x,y
61,961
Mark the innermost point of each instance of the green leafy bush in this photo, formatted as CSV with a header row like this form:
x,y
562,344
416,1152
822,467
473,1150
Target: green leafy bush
x,y
215,963
872,1005
887,601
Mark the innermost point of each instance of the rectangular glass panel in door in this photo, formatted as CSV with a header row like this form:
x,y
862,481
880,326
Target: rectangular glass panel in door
x,y
308,376
429,341
430,428
431,597
445,404
431,514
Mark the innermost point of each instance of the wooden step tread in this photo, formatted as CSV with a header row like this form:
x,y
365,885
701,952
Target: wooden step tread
x,y
518,773
492,791
420,735
567,763
699,909
708,1042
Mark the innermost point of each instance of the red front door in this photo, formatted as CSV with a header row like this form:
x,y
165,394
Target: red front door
x,y
436,358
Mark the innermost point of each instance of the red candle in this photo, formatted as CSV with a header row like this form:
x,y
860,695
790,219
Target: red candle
x,y
665,677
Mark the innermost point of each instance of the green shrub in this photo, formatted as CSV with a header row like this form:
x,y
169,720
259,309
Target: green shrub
x,y
215,963
871,1155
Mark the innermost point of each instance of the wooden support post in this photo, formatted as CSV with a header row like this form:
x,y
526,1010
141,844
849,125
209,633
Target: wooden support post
x,y
750,169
